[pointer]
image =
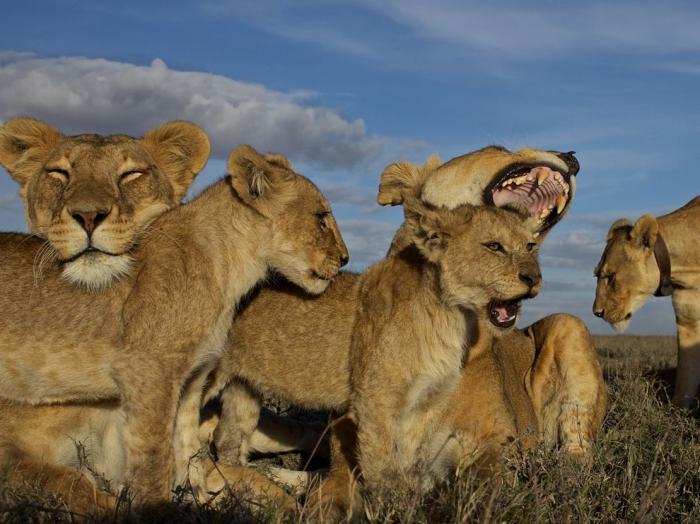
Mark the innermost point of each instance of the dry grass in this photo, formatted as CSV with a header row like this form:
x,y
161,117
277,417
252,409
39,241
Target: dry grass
x,y
645,467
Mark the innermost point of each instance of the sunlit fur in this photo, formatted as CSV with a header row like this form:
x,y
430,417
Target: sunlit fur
x,y
150,338
628,275
128,181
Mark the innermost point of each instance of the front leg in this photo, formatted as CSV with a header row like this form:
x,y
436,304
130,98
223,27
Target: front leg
x,y
376,441
150,405
686,304
566,383
240,411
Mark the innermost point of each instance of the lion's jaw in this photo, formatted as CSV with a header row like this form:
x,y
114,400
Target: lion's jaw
x,y
542,182
95,271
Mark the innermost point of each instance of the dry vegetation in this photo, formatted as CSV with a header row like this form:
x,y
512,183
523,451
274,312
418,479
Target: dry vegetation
x,y
645,467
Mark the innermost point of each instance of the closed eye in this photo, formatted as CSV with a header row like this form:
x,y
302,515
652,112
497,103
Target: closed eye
x,y
322,218
59,174
129,176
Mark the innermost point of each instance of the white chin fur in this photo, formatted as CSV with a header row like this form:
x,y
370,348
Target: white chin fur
x,y
96,271
620,326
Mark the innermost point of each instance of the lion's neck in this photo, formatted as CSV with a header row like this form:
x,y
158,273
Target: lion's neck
x,y
223,234
679,231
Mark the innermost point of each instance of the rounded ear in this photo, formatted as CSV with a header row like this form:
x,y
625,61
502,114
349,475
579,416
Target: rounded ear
x,y
23,143
403,178
181,150
620,223
254,178
280,160
645,231
428,228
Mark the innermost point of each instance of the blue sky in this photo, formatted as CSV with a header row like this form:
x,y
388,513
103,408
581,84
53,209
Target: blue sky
x,y
346,87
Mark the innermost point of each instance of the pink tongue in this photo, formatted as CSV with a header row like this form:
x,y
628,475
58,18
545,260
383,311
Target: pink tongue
x,y
503,315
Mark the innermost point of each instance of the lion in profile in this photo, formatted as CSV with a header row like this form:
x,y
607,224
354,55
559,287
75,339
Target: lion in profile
x,y
656,256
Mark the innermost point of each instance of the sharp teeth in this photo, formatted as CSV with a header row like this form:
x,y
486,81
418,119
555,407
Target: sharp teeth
x,y
542,176
544,213
561,204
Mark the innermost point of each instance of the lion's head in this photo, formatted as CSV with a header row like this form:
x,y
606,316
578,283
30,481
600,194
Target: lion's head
x,y
307,246
487,258
91,196
542,182
627,273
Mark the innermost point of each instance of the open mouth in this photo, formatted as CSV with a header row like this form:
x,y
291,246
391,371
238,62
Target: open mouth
x,y
541,189
503,314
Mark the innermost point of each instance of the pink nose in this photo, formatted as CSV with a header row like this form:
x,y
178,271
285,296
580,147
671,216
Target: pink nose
x,y
89,220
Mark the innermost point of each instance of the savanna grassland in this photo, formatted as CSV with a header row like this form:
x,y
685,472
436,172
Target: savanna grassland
x,y
645,467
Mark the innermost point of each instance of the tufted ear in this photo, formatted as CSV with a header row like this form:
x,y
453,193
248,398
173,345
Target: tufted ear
x,y
645,231
181,150
280,160
25,142
257,181
618,224
429,227
403,178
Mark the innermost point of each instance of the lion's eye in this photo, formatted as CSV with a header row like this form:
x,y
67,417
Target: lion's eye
x,y
59,174
494,246
611,280
129,176
322,220
531,246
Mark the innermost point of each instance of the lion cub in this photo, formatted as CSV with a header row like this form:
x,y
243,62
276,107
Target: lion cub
x,y
417,311
92,196
151,336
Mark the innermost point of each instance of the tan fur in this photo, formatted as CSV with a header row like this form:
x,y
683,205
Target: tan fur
x,y
115,184
299,324
409,308
628,275
160,329
414,317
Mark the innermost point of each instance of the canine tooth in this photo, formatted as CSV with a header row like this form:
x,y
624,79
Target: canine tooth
x,y
561,203
544,213
542,176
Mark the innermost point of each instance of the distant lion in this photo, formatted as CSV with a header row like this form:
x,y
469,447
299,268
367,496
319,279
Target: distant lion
x,y
657,256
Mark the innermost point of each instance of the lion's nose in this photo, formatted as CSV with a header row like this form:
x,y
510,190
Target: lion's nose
x,y
89,220
600,313
530,279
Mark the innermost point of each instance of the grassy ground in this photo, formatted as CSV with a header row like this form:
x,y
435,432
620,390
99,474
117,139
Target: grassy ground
x,y
644,468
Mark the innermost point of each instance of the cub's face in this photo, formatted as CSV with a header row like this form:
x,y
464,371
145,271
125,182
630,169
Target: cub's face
x,y
627,276
93,196
487,259
312,250
305,244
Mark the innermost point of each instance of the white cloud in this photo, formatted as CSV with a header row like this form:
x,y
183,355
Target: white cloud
x,y
526,31
552,28
367,240
94,95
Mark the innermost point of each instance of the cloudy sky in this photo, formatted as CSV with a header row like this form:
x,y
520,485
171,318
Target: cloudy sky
x,y
346,86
